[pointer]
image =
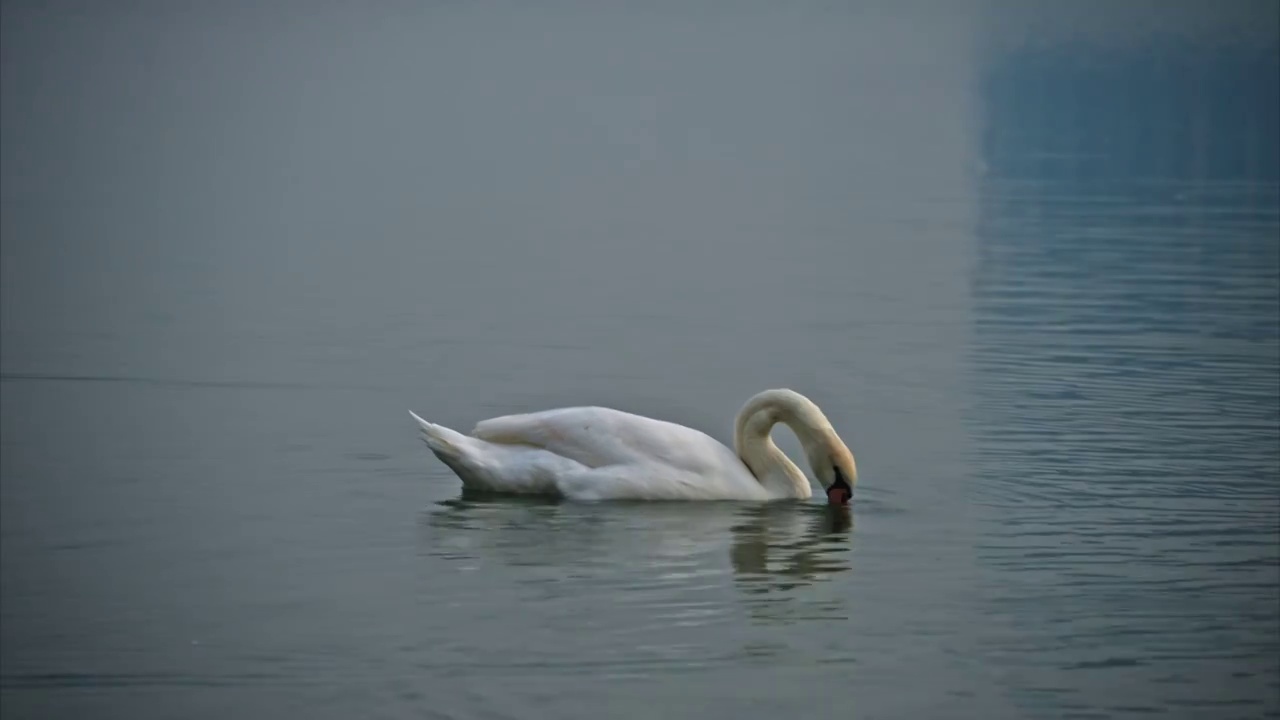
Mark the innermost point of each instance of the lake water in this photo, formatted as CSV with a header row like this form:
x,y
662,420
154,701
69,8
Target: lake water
x,y
1028,261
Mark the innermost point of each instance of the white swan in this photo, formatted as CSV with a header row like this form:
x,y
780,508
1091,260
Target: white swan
x,y
596,453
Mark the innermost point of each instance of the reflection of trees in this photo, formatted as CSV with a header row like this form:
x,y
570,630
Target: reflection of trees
x,y
1196,112
1124,347
1126,248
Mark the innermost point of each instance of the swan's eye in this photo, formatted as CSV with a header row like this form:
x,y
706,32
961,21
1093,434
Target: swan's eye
x,y
839,477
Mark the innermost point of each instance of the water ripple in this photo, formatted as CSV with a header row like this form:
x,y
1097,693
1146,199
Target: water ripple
x,y
1126,365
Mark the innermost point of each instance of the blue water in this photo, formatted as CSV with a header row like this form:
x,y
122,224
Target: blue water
x,y
1026,258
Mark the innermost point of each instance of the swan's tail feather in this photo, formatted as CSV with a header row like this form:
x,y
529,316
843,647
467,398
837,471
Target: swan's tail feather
x,y
492,467
441,440
453,449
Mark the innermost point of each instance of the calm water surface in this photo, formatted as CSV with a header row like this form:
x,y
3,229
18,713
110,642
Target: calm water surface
x,y
1028,262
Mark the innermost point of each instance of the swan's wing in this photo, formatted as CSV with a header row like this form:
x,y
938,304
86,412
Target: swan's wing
x,y
597,437
646,481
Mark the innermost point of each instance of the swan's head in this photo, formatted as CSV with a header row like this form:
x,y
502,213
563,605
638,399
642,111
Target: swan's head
x,y
833,464
828,456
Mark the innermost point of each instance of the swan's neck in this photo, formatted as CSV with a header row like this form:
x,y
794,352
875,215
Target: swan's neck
x,y
771,466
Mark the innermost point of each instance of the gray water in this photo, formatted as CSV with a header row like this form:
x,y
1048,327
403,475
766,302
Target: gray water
x,y
1025,256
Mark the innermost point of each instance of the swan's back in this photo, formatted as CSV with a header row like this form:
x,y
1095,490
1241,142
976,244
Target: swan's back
x,y
598,436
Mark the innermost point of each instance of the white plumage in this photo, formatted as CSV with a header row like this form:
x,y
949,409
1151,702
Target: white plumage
x,y
596,453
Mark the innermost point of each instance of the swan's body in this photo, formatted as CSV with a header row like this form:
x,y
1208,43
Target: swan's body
x,y
596,453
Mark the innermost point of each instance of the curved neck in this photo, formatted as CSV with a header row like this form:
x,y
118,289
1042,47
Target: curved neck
x,y
767,462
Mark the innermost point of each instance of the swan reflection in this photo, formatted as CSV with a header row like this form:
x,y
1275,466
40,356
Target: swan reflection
x,y
779,555
777,550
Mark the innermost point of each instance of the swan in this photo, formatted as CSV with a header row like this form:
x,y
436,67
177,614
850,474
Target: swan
x,y
599,453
